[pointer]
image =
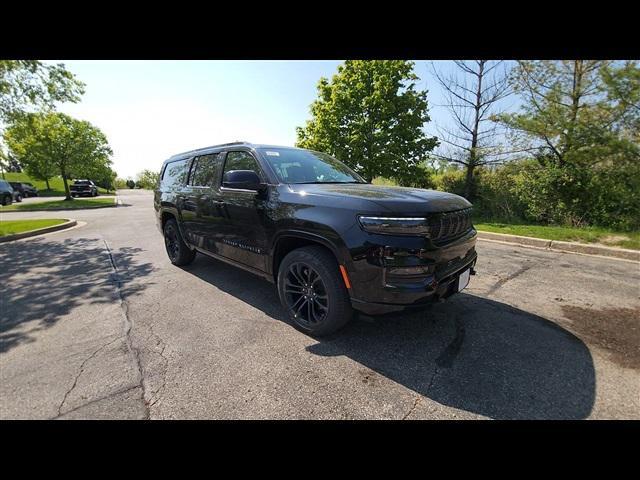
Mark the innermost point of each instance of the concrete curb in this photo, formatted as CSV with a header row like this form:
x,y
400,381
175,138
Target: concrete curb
x,y
571,247
113,205
32,233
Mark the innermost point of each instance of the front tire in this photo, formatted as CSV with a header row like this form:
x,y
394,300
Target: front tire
x,y
312,291
7,200
18,198
178,251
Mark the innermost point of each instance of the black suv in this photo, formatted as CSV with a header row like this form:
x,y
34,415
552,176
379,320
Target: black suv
x,y
8,194
330,241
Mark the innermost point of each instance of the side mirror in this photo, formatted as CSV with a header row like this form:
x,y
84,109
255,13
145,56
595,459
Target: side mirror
x,y
242,179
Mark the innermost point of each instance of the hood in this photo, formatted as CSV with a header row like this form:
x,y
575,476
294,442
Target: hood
x,y
397,200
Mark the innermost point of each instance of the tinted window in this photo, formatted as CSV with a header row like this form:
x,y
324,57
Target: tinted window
x,y
241,161
204,171
175,174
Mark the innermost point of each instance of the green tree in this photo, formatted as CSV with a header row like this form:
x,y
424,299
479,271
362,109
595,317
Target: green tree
x,y
38,166
581,119
147,179
31,85
74,147
371,117
576,111
28,84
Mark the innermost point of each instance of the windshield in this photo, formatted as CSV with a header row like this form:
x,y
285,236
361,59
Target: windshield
x,y
305,166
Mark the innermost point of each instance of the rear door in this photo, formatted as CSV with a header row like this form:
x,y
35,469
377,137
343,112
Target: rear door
x,y
202,215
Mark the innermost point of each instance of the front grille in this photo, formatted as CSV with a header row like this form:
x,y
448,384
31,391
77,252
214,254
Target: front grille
x,y
446,226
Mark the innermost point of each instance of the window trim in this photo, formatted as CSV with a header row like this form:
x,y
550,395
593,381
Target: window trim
x,y
192,167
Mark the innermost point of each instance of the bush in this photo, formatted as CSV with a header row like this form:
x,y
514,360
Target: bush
x,y
451,181
496,194
528,190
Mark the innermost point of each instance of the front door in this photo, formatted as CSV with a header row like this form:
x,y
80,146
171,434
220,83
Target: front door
x,y
245,238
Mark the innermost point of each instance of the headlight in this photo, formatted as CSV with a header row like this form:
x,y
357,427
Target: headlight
x,y
395,225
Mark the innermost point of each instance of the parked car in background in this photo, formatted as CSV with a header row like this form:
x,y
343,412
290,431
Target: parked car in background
x,y
83,187
26,189
7,194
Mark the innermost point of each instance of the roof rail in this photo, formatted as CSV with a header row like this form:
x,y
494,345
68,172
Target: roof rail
x,y
239,142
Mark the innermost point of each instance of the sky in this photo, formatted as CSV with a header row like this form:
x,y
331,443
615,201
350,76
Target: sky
x,y
150,110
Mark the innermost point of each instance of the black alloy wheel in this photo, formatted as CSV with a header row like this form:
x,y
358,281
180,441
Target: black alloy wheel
x,y
306,294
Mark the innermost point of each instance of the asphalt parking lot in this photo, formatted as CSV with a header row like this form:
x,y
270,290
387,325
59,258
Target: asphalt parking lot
x,y
96,323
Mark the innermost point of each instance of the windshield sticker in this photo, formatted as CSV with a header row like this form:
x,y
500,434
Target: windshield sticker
x,y
273,154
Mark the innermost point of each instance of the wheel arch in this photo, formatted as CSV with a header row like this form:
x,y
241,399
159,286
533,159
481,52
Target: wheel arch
x,y
288,241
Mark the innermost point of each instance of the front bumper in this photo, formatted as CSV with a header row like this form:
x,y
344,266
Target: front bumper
x,y
381,282
422,297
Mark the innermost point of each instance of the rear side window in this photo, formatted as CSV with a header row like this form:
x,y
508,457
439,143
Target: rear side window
x,y
175,174
204,170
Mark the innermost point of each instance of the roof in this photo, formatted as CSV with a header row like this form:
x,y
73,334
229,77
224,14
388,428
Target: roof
x,y
245,144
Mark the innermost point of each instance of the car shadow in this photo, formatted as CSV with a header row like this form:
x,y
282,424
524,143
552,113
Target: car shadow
x,y
42,281
470,353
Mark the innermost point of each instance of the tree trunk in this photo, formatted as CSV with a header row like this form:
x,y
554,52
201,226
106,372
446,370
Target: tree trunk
x,y
46,180
473,154
468,184
66,186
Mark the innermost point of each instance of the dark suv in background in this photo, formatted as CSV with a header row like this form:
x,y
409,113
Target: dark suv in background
x,y
25,189
330,241
6,193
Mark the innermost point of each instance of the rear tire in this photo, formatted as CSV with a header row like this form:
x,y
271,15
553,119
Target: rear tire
x,y
178,251
313,292
18,198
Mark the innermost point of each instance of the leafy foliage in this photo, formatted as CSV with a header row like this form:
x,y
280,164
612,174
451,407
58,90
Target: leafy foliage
x,y
147,179
371,116
30,83
73,147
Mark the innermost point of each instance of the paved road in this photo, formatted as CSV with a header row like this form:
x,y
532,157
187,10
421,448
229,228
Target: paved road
x,y
96,323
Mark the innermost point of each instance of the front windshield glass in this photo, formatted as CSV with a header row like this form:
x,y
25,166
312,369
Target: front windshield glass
x,y
305,166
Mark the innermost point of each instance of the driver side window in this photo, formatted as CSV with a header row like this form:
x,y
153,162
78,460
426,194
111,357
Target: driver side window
x,y
241,161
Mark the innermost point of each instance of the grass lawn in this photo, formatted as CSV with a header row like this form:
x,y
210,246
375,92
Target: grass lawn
x,y
74,204
570,234
56,184
11,227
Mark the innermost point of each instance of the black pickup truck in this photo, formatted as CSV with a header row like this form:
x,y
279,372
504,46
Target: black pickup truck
x,y
83,187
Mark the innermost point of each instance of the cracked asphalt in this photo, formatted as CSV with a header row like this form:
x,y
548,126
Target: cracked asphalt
x,y
96,323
